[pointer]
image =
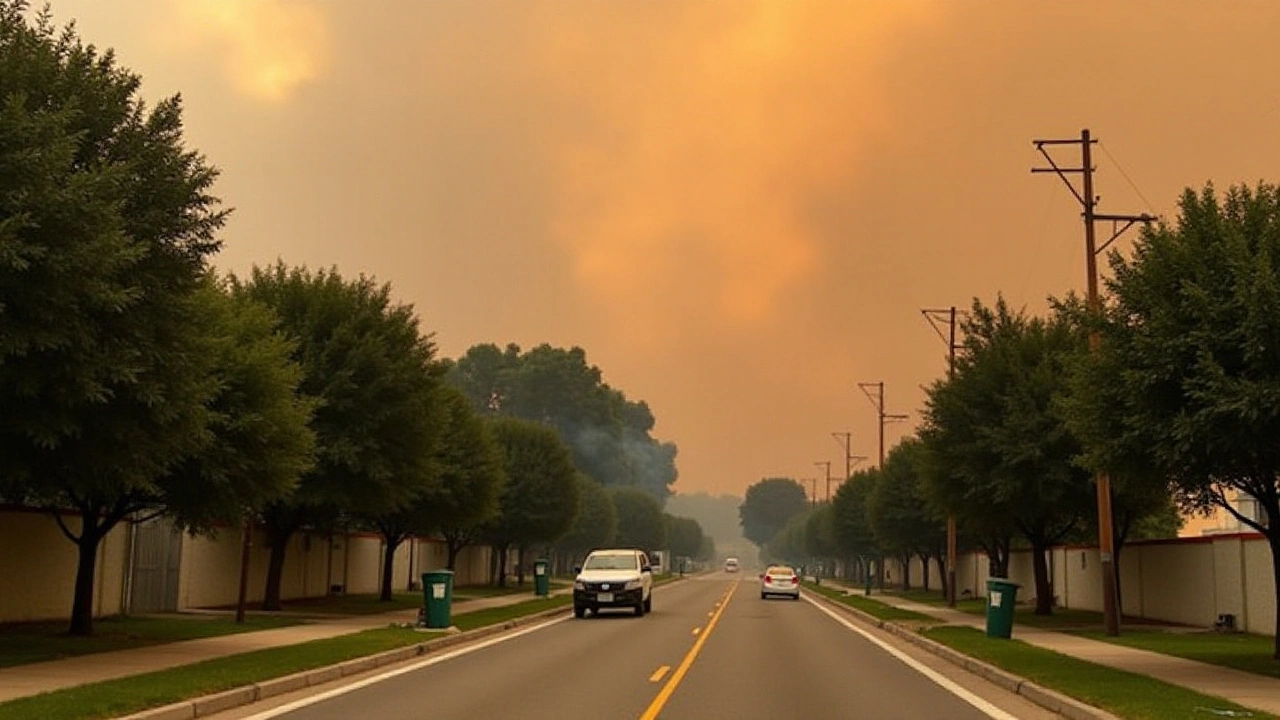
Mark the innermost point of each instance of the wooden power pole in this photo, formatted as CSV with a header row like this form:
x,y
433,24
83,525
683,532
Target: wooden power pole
x,y
1120,223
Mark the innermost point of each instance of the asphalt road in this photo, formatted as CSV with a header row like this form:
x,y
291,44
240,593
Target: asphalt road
x,y
710,649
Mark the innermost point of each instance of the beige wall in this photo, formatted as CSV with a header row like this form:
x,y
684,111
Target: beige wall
x,y
1187,581
209,574
38,568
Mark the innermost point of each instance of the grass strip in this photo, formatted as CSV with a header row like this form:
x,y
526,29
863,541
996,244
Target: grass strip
x,y
1125,694
1242,651
112,698
870,606
25,643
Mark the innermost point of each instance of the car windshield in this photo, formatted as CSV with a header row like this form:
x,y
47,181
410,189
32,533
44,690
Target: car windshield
x,y
611,562
781,571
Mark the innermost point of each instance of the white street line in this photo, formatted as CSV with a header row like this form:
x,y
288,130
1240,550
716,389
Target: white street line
x,y
947,684
321,697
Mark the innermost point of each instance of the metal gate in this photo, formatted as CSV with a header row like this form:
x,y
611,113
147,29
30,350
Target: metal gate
x,y
157,555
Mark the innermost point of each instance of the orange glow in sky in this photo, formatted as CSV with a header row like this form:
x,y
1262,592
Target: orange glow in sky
x,y
737,208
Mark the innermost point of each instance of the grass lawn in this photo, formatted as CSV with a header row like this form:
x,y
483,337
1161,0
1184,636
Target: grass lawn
x,y
494,616
869,605
113,698
1242,651
928,597
1125,694
461,594
23,643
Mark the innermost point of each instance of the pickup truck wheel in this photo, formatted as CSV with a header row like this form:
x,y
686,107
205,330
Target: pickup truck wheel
x,y
648,604
639,609
579,611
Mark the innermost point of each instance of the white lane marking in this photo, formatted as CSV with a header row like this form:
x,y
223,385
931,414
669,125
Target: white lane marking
x,y
304,702
987,708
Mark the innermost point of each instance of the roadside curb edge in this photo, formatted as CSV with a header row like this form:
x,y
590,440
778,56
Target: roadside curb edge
x,y
1050,700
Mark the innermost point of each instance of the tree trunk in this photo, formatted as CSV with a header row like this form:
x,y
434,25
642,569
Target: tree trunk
x,y
1044,584
389,565
82,606
452,548
1273,538
501,551
275,569
906,572
924,563
520,553
998,558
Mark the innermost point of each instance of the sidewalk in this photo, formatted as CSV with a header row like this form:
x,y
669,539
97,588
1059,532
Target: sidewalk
x,y
35,678
1248,689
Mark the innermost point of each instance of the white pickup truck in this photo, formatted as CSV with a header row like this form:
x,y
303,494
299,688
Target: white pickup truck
x,y
613,579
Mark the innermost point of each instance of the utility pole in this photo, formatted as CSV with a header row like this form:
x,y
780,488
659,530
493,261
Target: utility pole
x,y
827,463
878,401
849,458
935,318
1119,224
813,485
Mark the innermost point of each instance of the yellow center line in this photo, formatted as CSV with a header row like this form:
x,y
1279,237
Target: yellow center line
x,y
665,693
659,673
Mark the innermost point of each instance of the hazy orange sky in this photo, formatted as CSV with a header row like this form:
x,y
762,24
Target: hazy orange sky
x,y
738,208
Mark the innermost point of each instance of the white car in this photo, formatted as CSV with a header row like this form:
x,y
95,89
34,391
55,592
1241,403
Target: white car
x,y
731,565
613,579
780,580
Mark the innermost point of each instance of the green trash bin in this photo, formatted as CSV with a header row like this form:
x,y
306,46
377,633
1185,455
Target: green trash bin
x,y
1001,596
542,577
437,590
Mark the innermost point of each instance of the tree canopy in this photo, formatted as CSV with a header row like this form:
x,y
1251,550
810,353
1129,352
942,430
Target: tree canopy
x,y
768,505
106,227
640,520
1187,377
597,523
541,497
609,435
996,426
374,377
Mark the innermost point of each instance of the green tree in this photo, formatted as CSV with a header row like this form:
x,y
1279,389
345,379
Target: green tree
x,y
902,520
259,438
767,507
106,224
996,424
1187,377
376,382
788,545
540,500
684,536
597,523
820,534
469,476
640,523
609,435
850,522
472,475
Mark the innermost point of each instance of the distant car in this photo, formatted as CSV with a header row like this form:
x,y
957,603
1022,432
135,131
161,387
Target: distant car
x,y
613,579
780,580
731,565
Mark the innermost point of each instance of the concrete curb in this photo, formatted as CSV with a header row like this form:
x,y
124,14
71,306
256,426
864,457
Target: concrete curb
x,y
236,697
1050,700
